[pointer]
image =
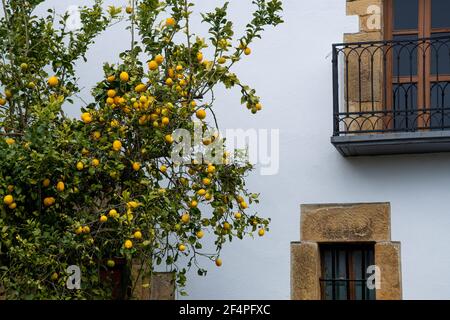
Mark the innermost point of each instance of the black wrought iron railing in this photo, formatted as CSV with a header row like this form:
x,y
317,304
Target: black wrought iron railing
x,y
402,85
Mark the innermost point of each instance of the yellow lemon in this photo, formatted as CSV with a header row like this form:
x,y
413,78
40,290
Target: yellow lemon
x,y
86,229
168,138
137,235
53,81
10,141
206,181
170,22
218,262
46,183
95,162
136,166
110,101
103,219
153,65
12,206
60,186
182,247
124,77
117,145
111,78
86,117
165,121
163,169
114,123
200,234
247,51
199,57
208,196
128,244
243,205
261,232
140,88
194,204
49,201
159,59
185,218
238,215
113,213
111,93
133,204
201,114
9,199
201,192
80,166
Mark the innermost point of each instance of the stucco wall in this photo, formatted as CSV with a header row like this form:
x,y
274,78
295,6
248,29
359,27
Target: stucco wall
x,y
291,68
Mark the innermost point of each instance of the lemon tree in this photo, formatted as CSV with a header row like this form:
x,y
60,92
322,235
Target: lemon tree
x,y
106,186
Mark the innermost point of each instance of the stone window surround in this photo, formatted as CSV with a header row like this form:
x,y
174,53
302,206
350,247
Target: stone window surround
x,y
344,223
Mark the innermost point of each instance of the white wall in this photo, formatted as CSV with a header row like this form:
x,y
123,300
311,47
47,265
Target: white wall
x,y
292,73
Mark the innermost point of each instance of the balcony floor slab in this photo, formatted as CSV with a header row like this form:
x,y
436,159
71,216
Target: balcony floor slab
x,y
392,143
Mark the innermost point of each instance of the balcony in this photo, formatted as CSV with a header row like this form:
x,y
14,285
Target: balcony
x,y
392,97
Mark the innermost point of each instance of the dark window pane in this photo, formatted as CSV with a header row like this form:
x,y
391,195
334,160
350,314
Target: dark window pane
x,y
327,263
341,266
440,105
406,14
405,56
328,290
357,264
405,106
440,14
440,54
341,290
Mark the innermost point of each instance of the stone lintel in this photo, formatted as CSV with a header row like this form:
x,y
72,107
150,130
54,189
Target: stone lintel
x,y
364,222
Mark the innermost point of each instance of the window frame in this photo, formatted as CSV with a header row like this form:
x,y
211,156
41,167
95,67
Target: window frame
x,y
350,281
423,80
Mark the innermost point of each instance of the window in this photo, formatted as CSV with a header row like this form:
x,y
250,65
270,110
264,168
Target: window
x,y
344,272
419,65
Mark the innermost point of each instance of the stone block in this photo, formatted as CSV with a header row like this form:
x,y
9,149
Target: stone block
x,y
361,7
387,258
345,222
163,286
305,271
